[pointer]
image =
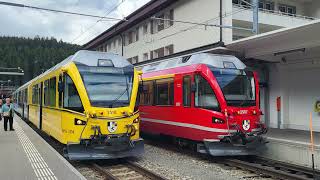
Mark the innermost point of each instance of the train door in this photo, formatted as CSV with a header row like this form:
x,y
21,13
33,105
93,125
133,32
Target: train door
x,y
40,105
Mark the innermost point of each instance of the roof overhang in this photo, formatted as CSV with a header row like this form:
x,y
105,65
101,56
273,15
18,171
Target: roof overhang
x,y
296,42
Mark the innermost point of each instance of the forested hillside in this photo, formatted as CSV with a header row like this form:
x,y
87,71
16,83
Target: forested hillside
x,y
32,55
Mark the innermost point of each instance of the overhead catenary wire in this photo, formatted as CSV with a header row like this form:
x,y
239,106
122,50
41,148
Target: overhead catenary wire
x,y
56,11
89,28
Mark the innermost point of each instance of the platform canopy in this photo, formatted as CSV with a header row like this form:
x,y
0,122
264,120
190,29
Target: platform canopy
x,y
295,43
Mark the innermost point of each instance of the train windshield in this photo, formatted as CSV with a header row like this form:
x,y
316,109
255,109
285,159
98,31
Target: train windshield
x,y
107,86
238,86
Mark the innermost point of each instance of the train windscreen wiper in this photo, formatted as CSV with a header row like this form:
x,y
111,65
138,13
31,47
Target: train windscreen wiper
x,y
116,99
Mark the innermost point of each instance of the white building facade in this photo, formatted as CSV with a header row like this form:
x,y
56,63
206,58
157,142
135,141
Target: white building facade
x,y
149,38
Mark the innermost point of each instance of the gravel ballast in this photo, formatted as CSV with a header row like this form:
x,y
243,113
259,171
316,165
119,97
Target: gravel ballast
x,y
175,164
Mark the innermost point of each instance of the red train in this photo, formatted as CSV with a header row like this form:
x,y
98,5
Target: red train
x,y
212,100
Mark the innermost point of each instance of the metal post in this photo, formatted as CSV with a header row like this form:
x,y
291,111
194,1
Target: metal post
x,y
221,21
255,22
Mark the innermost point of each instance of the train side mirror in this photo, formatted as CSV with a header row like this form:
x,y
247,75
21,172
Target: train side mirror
x,y
193,87
60,86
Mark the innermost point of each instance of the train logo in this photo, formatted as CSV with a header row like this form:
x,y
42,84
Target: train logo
x,y
246,125
112,126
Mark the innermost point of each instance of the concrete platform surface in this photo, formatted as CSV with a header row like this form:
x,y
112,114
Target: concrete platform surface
x,y
294,135
292,146
25,155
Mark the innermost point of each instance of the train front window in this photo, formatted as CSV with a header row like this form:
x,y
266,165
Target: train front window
x,y
204,96
107,86
238,86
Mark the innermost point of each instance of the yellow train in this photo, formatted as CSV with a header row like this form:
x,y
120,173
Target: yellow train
x,y
87,102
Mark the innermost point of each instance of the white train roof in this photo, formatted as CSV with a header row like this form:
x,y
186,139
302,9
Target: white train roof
x,y
215,60
89,58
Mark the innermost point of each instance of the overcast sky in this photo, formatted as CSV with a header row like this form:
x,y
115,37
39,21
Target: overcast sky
x,y
26,22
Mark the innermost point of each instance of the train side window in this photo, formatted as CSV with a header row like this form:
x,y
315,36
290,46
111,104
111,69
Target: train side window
x,y
26,95
60,91
204,95
164,91
71,99
187,91
46,93
35,94
52,92
146,95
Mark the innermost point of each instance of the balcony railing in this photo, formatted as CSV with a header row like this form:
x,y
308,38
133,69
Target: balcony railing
x,y
245,7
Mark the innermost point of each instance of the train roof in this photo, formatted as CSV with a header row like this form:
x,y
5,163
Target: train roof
x,y
89,58
214,60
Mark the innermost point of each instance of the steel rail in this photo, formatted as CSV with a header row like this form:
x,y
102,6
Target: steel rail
x,y
131,166
144,171
267,168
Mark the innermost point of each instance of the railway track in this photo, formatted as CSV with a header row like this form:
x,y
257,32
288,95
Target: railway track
x,y
126,170
275,169
260,166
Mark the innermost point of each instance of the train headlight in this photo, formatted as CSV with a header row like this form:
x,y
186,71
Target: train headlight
x,y
217,120
136,120
254,112
79,122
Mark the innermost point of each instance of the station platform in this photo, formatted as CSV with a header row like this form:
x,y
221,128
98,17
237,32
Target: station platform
x,y
292,146
25,155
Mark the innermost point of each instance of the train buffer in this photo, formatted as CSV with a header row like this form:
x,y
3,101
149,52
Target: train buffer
x,y
25,155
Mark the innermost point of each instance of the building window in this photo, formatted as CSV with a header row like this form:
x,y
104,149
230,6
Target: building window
x,y
145,29
145,56
137,34
161,24
269,6
146,96
164,92
119,42
290,10
133,60
130,37
168,50
114,44
266,5
158,53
